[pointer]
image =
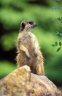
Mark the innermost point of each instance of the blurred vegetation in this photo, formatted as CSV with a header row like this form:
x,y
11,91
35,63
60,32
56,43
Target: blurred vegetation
x,y
46,14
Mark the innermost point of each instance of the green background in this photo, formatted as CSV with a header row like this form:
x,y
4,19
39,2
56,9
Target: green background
x,y
48,16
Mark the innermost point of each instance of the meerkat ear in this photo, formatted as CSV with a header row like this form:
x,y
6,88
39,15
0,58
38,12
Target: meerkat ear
x,y
22,25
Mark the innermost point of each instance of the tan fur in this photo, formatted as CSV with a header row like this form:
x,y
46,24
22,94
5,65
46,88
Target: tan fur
x,y
29,52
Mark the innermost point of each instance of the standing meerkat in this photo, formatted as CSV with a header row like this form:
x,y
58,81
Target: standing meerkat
x,y
28,50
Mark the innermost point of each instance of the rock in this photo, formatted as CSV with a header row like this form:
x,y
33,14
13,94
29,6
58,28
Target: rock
x,y
22,82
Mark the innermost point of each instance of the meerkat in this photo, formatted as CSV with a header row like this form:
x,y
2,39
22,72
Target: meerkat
x,y
28,50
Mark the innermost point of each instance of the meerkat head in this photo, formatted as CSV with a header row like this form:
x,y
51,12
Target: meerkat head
x,y
27,25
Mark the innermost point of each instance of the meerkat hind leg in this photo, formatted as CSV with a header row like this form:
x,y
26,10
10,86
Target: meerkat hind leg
x,y
39,69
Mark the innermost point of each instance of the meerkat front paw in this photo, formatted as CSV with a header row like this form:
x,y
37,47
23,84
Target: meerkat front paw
x,y
23,48
27,53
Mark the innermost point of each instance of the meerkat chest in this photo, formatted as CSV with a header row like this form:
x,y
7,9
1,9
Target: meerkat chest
x,y
28,40
31,43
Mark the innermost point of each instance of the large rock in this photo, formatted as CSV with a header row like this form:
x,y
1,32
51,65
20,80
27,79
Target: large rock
x,y
22,82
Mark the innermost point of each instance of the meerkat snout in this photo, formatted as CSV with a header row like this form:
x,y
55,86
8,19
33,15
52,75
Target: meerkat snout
x,y
32,24
27,25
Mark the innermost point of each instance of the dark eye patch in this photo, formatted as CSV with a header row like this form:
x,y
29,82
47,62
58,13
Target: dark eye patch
x,y
30,22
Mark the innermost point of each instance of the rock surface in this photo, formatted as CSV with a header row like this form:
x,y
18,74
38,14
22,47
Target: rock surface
x,y
22,82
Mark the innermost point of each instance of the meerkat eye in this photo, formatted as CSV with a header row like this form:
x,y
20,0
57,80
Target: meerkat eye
x,y
30,22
